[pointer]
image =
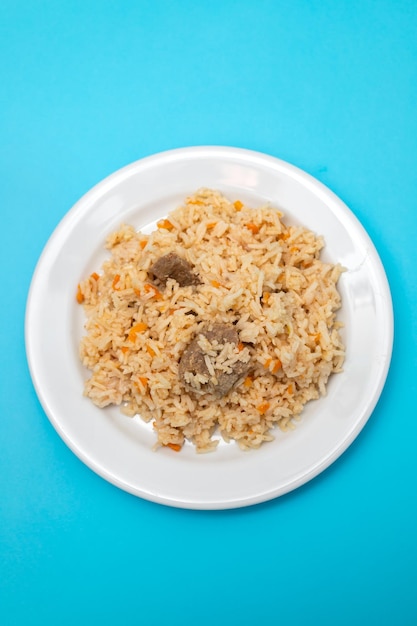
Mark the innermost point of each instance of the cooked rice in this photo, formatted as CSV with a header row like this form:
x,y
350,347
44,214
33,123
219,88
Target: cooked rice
x,y
264,277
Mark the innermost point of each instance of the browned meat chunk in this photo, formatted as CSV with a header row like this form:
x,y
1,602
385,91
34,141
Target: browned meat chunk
x,y
222,333
193,362
173,266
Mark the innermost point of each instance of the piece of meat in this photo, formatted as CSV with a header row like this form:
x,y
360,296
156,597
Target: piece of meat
x,y
227,381
222,333
173,266
192,359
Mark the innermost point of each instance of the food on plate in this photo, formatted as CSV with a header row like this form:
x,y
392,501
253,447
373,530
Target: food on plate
x,y
220,324
213,361
173,266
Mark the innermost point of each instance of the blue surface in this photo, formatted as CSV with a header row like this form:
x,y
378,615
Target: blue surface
x,y
87,87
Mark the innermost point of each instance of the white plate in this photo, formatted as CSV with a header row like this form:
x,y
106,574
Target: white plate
x,y
119,448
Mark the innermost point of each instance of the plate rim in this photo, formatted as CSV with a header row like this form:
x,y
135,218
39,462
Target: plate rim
x,y
212,152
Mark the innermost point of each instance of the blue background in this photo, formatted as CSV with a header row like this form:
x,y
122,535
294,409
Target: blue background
x,y
87,87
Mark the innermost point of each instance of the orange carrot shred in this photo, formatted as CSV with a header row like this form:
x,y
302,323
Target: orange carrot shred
x,y
211,225
80,295
215,283
151,288
290,389
165,224
293,249
115,281
143,380
140,327
262,408
238,205
174,446
284,235
240,346
95,276
277,366
150,350
253,227
248,381
137,291
267,363
143,243
265,296
124,349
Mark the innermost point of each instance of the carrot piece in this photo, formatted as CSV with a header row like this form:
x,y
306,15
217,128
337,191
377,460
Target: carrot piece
x,y
290,389
95,276
140,327
284,235
174,446
194,201
238,205
137,291
253,227
150,350
140,387
265,296
215,283
152,289
277,366
267,363
248,381
80,295
124,349
317,337
211,225
262,408
115,282
240,346
165,224
294,249
143,243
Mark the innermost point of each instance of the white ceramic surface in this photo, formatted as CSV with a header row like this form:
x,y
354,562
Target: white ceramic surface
x,y
119,448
